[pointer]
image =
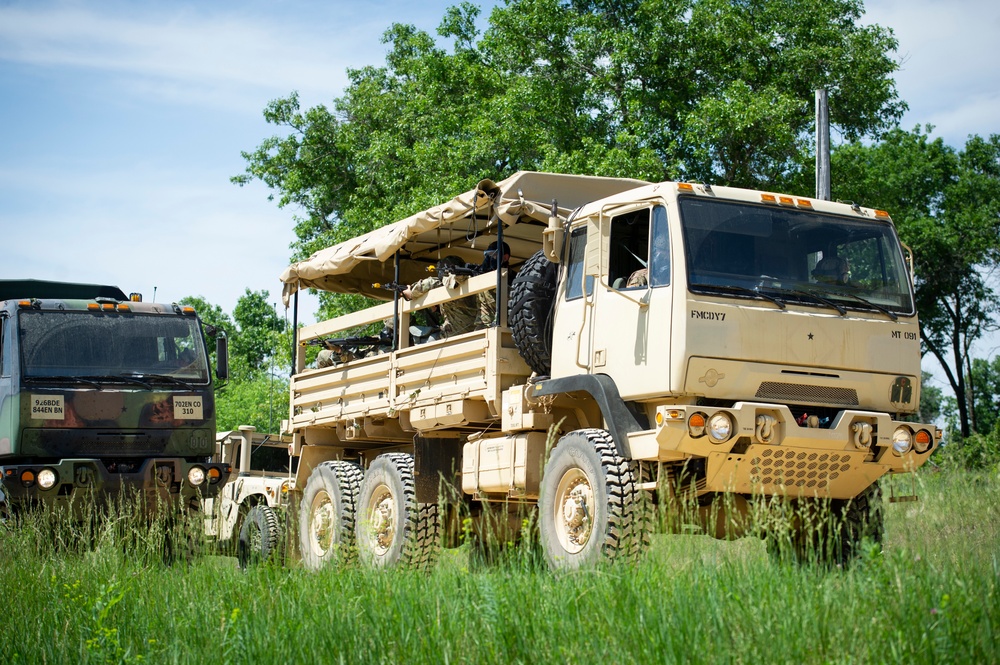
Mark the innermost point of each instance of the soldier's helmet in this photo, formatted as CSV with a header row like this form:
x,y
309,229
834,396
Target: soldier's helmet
x,y
490,258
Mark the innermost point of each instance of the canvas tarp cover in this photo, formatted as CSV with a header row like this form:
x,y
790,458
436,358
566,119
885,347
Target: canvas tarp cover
x,y
463,226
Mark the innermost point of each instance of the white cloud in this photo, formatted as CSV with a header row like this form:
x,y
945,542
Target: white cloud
x,y
178,52
949,53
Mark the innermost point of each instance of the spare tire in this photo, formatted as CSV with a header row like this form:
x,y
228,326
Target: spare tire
x,y
530,311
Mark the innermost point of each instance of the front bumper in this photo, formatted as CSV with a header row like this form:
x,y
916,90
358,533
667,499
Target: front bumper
x,y
157,480
768,452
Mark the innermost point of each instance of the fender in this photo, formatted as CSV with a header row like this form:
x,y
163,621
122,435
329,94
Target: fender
x,y
621,417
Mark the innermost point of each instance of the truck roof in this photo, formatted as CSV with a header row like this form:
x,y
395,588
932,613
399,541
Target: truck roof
x,y
13,289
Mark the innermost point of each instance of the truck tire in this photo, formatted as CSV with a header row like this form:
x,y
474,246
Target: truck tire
x,y
861,518
832,533
326,514
530,311
259,536
591,508
393,529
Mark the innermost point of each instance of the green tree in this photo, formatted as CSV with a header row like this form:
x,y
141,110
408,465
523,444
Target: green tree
x,y
946,206
706,89
258,332
213,319
984,386
931,400
260,348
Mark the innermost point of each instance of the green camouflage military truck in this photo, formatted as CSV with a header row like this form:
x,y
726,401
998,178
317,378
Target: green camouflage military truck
x,y
102,394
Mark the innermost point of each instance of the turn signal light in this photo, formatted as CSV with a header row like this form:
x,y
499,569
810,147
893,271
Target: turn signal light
x,y
696,424
922,441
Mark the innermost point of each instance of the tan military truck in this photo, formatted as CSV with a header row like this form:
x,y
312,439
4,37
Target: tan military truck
x,y
683,342
248,517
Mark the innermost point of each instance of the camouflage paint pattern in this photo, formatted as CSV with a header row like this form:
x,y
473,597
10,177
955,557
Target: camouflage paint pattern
x,y
104,439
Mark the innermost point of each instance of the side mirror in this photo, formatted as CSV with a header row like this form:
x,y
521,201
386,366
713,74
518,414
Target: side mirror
x,y
221,357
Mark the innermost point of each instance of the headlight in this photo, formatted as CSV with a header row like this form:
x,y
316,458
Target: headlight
x,y
902,439
214,475
922,441
196,476
720,427
47,478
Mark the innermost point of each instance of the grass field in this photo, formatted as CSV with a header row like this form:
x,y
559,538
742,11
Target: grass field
x,y
930,596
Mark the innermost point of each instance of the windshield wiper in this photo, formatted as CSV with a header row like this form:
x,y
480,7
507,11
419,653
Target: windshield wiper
x,y
815,296
732,288
160,377
71,379
133,379
889,313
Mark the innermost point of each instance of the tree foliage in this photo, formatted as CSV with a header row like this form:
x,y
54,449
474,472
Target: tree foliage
x,y
259,352
946,206
704,89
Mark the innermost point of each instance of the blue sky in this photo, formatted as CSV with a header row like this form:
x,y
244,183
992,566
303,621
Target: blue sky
x,y
122,123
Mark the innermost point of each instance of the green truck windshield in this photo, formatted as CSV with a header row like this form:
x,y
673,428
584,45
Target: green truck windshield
x,y
795,255
97,345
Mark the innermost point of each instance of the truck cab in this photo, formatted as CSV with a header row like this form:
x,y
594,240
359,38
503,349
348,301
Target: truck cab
x,y
101,395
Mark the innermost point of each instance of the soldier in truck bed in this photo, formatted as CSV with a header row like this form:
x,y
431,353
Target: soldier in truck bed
x,y
458,316
488,299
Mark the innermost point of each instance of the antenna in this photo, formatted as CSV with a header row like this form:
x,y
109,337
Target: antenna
x,y
270,383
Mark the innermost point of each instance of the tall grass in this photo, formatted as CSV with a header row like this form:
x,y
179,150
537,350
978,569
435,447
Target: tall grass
x,y
930,596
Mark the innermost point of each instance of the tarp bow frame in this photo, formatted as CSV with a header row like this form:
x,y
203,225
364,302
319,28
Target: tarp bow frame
x,y
463,226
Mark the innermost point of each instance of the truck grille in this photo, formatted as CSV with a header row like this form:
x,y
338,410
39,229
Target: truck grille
x,y
798,468
793,392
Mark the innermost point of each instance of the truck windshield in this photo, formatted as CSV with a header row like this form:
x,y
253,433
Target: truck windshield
x,y
101,346
796,255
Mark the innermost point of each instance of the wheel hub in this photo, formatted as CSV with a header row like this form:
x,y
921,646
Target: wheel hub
x,y
574,511
321,525
382,520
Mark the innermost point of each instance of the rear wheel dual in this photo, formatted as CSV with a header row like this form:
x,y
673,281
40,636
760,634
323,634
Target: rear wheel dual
x,y
326,514
393,529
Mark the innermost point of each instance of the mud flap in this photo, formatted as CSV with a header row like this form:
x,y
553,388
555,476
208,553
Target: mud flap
x,y
437,468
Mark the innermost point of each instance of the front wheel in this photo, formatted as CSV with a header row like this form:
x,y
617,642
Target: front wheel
x,y
392,528
591,508
259,536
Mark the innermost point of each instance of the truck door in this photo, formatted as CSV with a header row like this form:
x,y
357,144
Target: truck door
x,y
8,398
574,302
632,303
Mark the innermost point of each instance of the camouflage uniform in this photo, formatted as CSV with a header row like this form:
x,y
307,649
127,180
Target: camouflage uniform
x,y
487,300
487,308
329,357
459,315
638,278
